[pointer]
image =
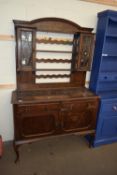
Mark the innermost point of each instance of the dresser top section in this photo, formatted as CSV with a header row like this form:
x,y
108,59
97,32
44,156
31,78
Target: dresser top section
x,y
52,95
52,24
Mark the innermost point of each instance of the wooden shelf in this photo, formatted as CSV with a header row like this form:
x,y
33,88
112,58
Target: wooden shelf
x,y
54,51
34,70
111,35
52,70
54,41
48,60
53,76
108,55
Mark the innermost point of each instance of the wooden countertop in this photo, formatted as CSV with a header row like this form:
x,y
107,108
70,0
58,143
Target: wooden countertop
x,y
50,95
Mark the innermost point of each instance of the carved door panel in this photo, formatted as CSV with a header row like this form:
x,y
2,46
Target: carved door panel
x,y
43,124
78,116
36,120
83,62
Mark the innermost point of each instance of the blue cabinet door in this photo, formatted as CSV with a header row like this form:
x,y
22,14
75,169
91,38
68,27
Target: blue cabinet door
x,y
108,127
106,131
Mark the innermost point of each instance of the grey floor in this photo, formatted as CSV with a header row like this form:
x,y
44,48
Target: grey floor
x,y
68,155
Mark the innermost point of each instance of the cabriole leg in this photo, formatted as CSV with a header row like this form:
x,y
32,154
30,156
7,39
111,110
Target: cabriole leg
x,y
16,149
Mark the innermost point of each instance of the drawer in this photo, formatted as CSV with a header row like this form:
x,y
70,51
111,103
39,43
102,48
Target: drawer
x,y
105,77
78,105
36,108
109,107
107,86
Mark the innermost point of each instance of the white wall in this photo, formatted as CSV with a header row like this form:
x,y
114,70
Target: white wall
x,y
83,13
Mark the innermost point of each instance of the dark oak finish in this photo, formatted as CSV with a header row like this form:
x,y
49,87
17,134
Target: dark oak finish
x,y
53,25
50,109
43,112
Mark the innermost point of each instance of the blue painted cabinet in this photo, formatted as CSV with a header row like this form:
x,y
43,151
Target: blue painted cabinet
x,y
103,79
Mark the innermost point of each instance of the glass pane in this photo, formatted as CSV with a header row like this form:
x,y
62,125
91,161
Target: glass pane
x,y
87,41
26,48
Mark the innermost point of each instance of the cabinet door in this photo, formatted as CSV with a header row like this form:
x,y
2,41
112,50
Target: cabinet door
x,y
25,40
83,62
107,127
36,120
78,116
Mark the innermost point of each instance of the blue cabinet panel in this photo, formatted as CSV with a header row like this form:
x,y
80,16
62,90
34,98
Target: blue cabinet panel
x,y
109,64
103,79
106,130
109,108
110,46
108,77
106,86
112,25
109,127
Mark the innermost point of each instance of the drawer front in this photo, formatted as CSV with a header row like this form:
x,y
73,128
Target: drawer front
x,y
109,107
78,106
106,77
35,109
